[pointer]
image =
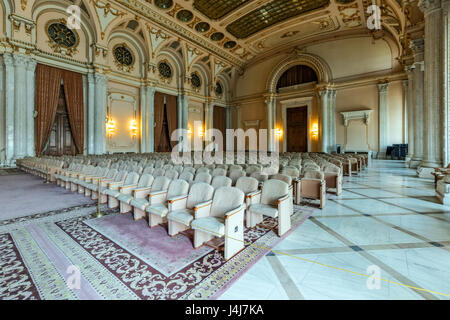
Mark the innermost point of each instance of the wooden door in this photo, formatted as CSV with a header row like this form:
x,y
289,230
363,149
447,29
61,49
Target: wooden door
x,y
164,141
297,129
219,120
61,140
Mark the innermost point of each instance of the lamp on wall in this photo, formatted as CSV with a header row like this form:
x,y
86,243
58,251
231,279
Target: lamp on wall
x,y
189,131
279,133
133,128
200,132
315,130
110,127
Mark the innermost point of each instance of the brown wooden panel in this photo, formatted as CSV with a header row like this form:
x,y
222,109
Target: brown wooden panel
x,y
297,129
219,120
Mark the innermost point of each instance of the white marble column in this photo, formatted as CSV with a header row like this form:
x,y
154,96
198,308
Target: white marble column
x,y
2,116
151,119
20,106
383,129
8,61
409,87
271,109
91,114
228,118
30,106
209,116
446,79
324,119
144,119
417,46
332,121
432,109
101,84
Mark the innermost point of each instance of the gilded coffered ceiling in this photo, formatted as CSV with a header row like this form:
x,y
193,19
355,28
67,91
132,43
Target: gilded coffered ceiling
x,y
242,31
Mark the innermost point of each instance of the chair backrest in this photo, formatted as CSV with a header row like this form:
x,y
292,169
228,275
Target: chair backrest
x,y
331,168
203,169
221,181
273,190
247,184
235,167
187,176
160,183
148,170
171,174
112,173
313,174
177,188
190,170
260,176
132,178
199,193
252,169
178,168
219,172
203,177
291,171
226,199
235,175
146,180
121,176
282,177
159,172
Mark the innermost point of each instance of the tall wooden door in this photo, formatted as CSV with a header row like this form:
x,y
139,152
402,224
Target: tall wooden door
x,y
219,120
297,129
61,141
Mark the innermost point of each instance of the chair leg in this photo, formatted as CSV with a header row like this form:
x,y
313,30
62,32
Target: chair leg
x,y
234,243
138,214
112,202
124,207
284,223
154,220
176,227
200,237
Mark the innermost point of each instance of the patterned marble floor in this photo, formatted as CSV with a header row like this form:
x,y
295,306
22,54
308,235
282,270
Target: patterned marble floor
x,y
386,225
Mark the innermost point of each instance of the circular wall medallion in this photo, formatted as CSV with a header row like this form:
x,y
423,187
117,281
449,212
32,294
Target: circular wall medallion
x,y
123,55
165,70
164,4
185,15
62,35
229,44
202,27
217,36
219,88
196,81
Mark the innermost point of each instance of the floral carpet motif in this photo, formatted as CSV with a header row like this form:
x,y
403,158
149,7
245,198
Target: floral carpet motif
x,y
36,254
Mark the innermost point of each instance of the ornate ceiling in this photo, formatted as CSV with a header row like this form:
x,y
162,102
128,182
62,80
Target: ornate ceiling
x,y
243,31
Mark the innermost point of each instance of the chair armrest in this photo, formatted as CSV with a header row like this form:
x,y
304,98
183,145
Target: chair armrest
x,y
127,189
157,197
234,223
202,210
238,210
141,193
115,185
177,203
253,197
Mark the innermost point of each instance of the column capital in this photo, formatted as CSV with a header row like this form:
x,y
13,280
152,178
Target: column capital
x,y
31,66
100,79
20,60
428,6
383,87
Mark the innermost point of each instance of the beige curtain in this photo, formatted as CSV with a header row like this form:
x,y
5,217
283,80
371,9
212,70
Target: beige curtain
x,y
48,82
73,90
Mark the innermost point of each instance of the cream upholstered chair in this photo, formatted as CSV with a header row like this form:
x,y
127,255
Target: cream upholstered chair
x,y
260,176
234,167
313,186
288,180
274,203
219,172
112,185
190,170
220,181
171,174
127,194
203,169
333,178
93,186
75,180
158,208
187,176
203,177
224,217
88,180
140,201
181,210
249,186
235,175
115,189
148,170
82,180
159,172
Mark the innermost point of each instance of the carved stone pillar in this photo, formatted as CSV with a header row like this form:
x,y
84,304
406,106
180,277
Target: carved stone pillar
x,y
270,109
101,85
446,78
20,104
91,114
332,121
8,61
383,129
150,125
30,106
432,111
409,99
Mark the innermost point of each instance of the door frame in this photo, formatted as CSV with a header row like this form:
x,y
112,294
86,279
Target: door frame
x,y
297,103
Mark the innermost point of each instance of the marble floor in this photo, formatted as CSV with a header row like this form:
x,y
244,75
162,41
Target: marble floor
x,y
385,237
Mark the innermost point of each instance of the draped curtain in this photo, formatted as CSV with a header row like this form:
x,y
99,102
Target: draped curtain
x,y
297,75
158,118
219,119
172,116
73,90
48,81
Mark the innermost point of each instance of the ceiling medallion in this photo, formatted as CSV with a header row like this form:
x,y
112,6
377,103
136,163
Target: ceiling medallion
x,y
202,27
164,4
61,38
165,70
196,82
219,89
229,44
217,36
123,57
185,15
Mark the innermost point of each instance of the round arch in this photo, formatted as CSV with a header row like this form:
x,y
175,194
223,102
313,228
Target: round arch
x,y
175,58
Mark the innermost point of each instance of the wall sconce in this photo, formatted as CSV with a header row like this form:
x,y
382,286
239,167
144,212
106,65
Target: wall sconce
x,y
279,133
133,128
200,132
110,127
189,131
315,130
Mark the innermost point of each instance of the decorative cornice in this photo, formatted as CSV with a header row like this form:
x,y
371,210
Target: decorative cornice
x,y
355,115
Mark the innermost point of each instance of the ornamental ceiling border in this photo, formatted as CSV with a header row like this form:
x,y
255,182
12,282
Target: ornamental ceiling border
x,y
153,16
